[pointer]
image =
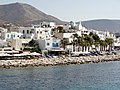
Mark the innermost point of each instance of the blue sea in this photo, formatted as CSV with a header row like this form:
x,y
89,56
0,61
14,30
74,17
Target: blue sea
x,y
100,76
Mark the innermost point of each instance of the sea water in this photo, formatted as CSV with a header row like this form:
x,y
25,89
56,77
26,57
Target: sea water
x,y
100,76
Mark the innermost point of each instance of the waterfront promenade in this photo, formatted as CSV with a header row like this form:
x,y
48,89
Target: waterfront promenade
x,y
57,61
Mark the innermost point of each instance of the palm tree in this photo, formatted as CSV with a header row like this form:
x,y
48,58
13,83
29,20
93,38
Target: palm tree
x,y
102,45
80,43
88,41
75,35
75,41
96,39
64,42
109,42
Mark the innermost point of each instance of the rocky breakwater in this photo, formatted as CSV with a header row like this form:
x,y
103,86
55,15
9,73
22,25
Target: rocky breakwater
x,y
58,61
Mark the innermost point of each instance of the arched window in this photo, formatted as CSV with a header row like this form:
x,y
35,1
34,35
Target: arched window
x,y
48,25
8,35
23,31
27,31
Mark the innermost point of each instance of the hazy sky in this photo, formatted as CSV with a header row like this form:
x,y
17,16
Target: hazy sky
x,y
75,10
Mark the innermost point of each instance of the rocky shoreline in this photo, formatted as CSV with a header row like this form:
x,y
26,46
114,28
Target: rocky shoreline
x,y
58,61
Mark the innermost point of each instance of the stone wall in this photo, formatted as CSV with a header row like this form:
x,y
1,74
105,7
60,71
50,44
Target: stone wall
x,y
58,61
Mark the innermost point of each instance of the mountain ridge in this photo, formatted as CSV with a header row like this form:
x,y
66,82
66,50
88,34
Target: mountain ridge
x,y
103,25
22,13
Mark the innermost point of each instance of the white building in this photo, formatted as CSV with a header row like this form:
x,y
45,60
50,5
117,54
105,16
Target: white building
x,y
27,32
103,34
71,25
10,35
78,26
117,42
49,44
3,43
47,24
2,32
16,44
42,32
80,30
37,31
110,35
65,35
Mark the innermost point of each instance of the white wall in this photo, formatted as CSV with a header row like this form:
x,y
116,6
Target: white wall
x,y
37,32
42,33
12,35
48,44
41,44
15,43
26,31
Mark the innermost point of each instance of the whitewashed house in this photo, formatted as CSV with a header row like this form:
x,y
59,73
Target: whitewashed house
x,y
49,44
16,44
52,46
47,24
103,34
69,36
10,35
27,32
42,32
2,33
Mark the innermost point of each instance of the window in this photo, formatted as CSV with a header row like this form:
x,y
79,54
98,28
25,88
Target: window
x,y
8,35
45,25
37,32
40,31
55,44
12,36
48,44
27,31
46,31
23,31
48,25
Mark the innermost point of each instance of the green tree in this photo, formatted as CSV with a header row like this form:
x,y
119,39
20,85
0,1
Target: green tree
x,y
33,43
96,39
35,46
109,42
60,29
88,41
91,34
75,41
64,42
102,45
